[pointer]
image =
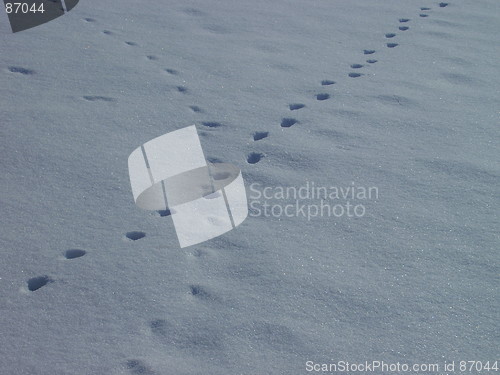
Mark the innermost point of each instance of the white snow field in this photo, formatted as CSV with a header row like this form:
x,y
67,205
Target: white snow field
x,y
91,284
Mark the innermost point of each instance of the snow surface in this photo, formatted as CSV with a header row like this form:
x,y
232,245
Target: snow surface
x,y
90,284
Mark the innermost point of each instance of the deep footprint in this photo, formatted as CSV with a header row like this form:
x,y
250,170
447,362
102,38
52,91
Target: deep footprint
x,y
327,82
442,5
254,157
295,106
392,45
355,75
74,253
322,96
135,235
390,35
36,283
368,51
403,28
257,136
288,122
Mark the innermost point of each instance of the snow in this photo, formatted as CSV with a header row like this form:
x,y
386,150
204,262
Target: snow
x,y
91,284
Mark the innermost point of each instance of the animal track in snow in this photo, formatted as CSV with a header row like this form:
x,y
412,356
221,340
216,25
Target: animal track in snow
x,y
392,45
254,157
288,122
355,75
257,136
327,82
390,35
36,283
211,124
20,70
295,106
368,51
135,235
322,96
164,213
137,367
74,253
195,108
98,98
356,66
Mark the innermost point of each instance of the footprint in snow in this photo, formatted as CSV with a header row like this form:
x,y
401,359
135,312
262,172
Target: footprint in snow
x,y
74,253
288,122
296,106
254,157
135,235
257,136
36,283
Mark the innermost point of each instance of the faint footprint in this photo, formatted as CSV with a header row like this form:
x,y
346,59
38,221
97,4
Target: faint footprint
x,y
390,35
254,157
135,235
295,106
323,96
368,51
288,122
355,75
74,253
424,15
152,57
97,98
356,66
392,45
403,20
19,70
137,367
89,20
182,89
257,136
195,108
172,71
442,5
424,8
327,82
403,28
107,32
211,124
131,44
200,292
36,283
371,61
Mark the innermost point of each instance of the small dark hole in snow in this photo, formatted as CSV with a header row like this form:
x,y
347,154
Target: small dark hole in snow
x,y
135,235
36,283
74,253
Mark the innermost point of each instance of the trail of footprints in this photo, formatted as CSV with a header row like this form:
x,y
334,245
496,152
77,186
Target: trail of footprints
x,y
288,122
162,328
